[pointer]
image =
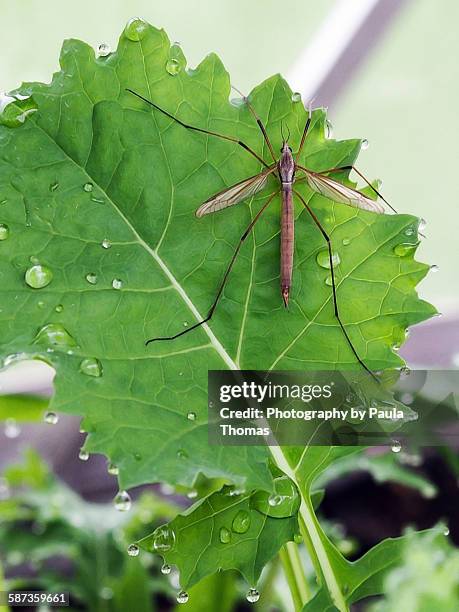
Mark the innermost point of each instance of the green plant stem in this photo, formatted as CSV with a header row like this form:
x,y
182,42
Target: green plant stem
x,y
294,573
4,608
290,576
311,534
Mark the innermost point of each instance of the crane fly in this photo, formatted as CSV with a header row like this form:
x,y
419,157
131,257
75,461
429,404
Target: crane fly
x,y
286,170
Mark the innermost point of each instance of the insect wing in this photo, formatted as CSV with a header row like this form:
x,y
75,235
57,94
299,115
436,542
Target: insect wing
x,y
235,194
341,193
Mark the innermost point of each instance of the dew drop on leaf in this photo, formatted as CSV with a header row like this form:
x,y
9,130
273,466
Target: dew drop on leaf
x,y
163,539
88,187
91,278
328,129
103,50
329,281
364,144
112,469
122,501
284,501
54,186
275,500
91,367
422,225
241,522
191,416
434,268
409,231
83,455
38,276
4,231
165,569
51,418
11,429
192,494
225,535
182,597
59,308
346,241
106,244
173,66
54,334
15,110
133,550
117,283
252,596
323,259
135,29
181,454
296,97
396,446
404,249
446,531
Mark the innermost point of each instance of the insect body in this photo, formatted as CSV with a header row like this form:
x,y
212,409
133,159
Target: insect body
x,y
287,171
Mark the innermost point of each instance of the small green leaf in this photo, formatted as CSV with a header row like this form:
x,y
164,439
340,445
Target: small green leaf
x,y
223,531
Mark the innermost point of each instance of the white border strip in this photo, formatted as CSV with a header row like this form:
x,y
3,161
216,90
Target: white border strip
x,y
328,44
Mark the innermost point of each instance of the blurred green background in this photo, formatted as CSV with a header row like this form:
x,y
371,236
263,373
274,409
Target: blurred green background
x,y
401,97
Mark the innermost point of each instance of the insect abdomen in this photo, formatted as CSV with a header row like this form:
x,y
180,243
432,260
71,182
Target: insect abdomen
x,y
287,242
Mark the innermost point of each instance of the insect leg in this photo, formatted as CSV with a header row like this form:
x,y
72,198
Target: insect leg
x,y
225,277
362,177
305,131
197,129
259,122
335,301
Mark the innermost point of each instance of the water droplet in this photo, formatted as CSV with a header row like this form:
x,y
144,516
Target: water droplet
x,y
422,225
51,418
59,308
106,244
163,539
409,231
283,502
192,494
434,268
396,446
135,29
328,129
38,276
137,456
54,186
252,596
91,278
225,535
298,538
241,522
122,501
181,454
404,249
329,281
88,187
364,144
191,416
54,334
446,531
296,97
112,469
4,231
103,50
166,569
182,597
15,110
91,367
12,429
407,398
133,550
83,455
117,283
173,66
323,259
405,371
346,241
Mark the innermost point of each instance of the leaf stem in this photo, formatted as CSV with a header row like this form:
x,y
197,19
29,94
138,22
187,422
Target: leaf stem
x,y
294,574
311,533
